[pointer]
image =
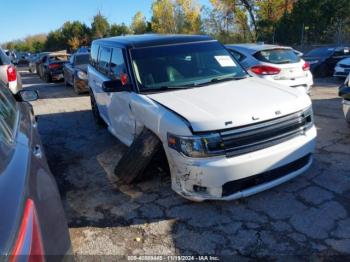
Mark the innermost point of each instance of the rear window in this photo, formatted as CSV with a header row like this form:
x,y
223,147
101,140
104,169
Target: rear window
x,y
277,56
82,59
321,52
58,58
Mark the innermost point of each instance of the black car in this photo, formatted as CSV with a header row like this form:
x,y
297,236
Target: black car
x,y
32,222
322,60
51,67
75,72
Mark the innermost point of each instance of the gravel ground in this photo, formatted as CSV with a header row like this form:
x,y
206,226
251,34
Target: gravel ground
x,y
308,216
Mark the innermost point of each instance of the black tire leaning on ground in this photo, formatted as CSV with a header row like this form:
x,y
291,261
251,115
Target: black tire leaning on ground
x,y
95,111
131,166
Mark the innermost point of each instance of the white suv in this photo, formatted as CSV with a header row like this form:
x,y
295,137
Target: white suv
x,y
225,133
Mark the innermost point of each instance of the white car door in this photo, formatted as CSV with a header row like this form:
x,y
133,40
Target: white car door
x,y
101,75
119,109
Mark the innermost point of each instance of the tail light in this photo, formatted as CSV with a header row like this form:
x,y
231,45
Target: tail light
x,y
265,70
11,73
306,66
54,66
29,242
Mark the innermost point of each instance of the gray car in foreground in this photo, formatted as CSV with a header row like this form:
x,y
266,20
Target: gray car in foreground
x,y
32,222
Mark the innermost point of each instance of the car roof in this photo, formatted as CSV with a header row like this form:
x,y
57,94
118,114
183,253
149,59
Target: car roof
x,y
82,54
253,48
146,40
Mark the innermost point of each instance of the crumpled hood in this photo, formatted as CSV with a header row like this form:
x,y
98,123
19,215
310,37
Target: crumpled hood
x,y
82,67
233,104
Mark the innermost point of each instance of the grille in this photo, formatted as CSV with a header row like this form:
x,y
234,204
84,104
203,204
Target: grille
x,y
258,136
241,184
344,66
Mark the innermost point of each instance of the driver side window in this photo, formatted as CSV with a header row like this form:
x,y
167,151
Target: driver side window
x,y
117,64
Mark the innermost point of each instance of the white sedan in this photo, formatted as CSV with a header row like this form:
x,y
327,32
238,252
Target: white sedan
x,y
279,64
342,68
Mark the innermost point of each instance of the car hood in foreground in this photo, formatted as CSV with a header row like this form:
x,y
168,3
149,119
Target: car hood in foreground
x,y
82,68
345,61
232,104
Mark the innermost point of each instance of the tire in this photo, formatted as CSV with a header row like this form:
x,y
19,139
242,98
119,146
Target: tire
x,y
95,111
76,90
133,163
66,83
48,78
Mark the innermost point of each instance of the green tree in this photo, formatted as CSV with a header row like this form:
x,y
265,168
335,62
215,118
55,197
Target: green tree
x,y
187,16
176,16
139,24
117,30
315,21
228,22
100,26
55,41
75,34
163,17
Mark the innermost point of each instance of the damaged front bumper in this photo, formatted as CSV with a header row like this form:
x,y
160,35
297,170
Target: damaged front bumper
x,y
229,178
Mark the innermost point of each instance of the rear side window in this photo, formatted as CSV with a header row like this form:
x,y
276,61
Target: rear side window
x,y
4,59
277,56
238,56
117,63
104,60
93,55
8,113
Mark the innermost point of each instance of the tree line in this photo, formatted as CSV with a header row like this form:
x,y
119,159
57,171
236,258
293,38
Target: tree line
x,y
289,22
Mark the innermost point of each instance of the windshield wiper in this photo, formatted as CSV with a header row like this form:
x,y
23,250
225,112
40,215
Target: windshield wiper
x,y
162,88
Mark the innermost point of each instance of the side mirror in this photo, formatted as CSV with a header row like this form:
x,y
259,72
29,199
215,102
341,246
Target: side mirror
x,y
27,95
115,86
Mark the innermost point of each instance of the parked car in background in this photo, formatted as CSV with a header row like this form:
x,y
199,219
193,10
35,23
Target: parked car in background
x,y
38,62
8,73
342,68
274,63
75,72
226,134
33,224
323,60
32,62
83,49
344,92
51,66
22,58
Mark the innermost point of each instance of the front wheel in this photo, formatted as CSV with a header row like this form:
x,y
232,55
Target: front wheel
x,y
95,111
75,88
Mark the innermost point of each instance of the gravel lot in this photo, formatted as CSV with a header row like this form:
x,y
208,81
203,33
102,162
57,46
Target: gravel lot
x,y
307,216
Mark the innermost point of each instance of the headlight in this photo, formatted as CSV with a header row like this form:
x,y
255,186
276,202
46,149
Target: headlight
x,y
308,116
82,75
197,146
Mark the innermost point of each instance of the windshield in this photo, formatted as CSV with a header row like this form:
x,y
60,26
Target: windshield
x,y
183,65
277,56
58,58
321,52
82,59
